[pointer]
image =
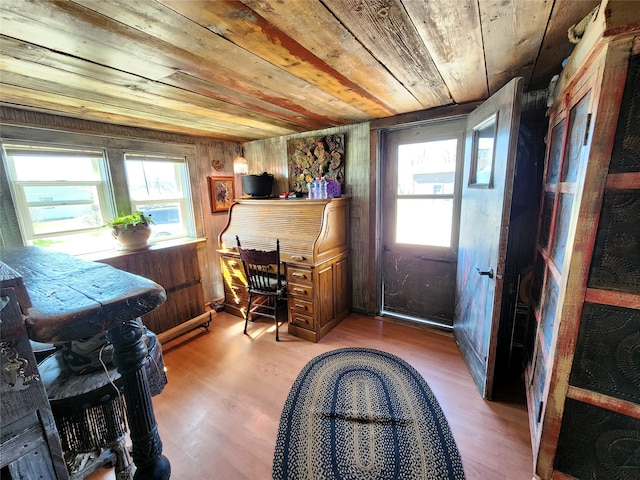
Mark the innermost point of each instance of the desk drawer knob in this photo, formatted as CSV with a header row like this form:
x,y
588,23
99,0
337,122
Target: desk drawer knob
x,y
233,264
298,275
299,258
300,290
301,307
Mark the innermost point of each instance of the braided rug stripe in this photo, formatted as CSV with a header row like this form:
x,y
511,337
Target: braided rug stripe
x,y
363,414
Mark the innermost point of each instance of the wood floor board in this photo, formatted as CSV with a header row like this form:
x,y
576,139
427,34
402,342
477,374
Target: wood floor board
x,y
218,416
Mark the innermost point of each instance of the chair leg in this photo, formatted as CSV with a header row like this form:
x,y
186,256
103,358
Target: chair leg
x,y
275,314
247,313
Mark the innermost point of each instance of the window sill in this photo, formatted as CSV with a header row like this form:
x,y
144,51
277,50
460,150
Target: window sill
x,y
114,253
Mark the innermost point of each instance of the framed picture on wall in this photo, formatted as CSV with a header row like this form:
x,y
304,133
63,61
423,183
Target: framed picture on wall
x,y
220,193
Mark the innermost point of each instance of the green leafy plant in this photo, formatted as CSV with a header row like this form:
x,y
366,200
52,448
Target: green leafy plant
x,y
131,220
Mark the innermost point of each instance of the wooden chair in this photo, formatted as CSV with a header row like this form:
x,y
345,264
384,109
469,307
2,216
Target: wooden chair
x,y
264,279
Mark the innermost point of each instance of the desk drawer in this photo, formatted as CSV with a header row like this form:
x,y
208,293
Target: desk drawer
x,y
301,320
296,258
232,268
300,305
235,290
300,291
299,275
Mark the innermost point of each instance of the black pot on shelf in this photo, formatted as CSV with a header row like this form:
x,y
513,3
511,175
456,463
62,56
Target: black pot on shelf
x,y
257,185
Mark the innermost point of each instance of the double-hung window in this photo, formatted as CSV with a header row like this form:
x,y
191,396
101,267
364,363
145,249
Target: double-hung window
x,y
158,185
62,195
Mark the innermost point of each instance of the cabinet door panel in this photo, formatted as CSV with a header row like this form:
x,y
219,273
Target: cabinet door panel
x,y
325,294
341,287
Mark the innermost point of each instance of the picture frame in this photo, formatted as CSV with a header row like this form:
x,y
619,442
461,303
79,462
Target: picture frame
x,y
308,157
221,193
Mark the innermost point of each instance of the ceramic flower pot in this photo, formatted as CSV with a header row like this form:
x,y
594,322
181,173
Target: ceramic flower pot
x,y
131,237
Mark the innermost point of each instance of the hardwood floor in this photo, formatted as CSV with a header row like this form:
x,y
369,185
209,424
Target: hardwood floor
x,y
218,416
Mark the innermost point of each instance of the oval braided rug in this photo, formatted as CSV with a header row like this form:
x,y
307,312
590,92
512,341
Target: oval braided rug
x,y
359,413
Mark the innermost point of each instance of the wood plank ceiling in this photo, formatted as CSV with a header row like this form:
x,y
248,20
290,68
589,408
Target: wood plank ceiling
x,y
250,69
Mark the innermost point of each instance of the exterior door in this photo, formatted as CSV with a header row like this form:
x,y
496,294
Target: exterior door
x,y
420,212
487,185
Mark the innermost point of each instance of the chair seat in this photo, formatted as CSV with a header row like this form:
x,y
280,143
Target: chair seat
x,y
270,288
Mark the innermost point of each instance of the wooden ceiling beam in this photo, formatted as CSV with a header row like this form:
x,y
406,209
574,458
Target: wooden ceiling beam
x,y
23,98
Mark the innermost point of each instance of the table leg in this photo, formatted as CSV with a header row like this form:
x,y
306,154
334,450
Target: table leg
x,y
129,354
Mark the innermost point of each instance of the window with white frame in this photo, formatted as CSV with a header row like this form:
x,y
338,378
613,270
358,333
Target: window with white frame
x,y
62,196
158,185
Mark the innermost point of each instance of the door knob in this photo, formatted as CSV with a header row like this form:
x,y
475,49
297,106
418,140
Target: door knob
x,y
488,273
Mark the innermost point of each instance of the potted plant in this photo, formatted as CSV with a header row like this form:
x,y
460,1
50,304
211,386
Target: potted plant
x,y
131,231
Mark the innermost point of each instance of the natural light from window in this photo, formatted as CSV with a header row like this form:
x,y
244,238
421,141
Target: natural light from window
x,y
426,185
60,196
158,187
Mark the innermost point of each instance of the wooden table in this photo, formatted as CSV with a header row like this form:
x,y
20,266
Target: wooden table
x,y
73,299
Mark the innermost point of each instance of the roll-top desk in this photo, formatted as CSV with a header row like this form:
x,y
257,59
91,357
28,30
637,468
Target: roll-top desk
x,y
314,246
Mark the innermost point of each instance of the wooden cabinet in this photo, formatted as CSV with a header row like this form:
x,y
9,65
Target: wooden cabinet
x,y
583,386
176,268
29,442
314,246
320,304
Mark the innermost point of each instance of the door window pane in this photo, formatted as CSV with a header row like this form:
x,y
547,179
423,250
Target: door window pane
x,y
427,168
484,137
425,190
424,221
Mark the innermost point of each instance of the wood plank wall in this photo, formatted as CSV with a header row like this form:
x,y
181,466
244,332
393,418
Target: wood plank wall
x,y
270,155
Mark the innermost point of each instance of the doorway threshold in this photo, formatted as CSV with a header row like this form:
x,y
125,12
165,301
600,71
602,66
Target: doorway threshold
x,y
414,321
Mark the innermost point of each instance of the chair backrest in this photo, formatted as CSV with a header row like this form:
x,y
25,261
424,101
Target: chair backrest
x,y
262,268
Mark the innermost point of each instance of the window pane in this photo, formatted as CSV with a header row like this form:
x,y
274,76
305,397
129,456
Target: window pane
x,y
152,180
61,208
167,220
482,155
49,167
427,168
424,221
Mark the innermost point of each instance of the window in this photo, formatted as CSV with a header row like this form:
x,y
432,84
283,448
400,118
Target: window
x,y
158,186
61,195
425,189
482,156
